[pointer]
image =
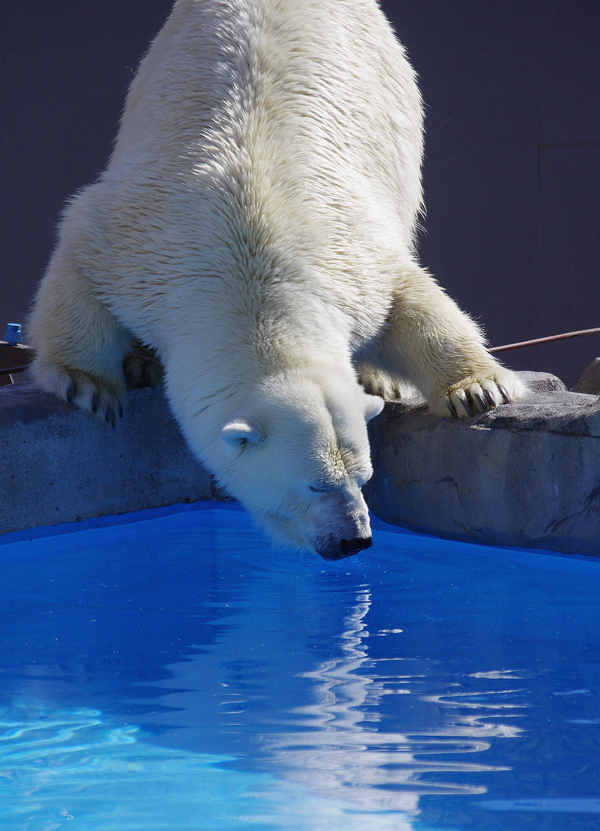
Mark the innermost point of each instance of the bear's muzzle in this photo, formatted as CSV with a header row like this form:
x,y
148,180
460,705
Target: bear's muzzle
x,y
344,548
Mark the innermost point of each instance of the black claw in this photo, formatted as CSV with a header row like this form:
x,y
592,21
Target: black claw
x,y
95,403
504,394
490,399
70,393
120,410
480,400
452,409
107,415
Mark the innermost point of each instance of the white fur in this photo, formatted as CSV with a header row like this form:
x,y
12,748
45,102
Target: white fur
x,y
256,225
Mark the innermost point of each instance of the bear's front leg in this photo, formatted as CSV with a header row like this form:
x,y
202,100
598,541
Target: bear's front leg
x,y
431,343
79,344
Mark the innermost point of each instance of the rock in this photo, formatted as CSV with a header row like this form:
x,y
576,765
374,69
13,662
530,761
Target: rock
x,y
525,474
59,465
590,380
542,382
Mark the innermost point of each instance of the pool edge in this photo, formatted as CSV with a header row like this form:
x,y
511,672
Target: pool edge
x,y
525,475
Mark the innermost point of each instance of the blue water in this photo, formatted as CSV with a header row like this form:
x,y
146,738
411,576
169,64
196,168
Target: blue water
x,y
175,673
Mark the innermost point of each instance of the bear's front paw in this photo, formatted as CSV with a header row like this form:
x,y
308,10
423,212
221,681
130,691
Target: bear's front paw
x,y
479,393
103,398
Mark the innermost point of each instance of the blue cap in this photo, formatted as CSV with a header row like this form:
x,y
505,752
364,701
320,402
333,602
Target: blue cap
x,y
13,333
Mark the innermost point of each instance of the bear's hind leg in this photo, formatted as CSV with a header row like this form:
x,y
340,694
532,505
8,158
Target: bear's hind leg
x,y
142,367
437,347
79,344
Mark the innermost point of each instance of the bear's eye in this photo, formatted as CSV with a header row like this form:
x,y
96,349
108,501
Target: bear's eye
x,y
324,488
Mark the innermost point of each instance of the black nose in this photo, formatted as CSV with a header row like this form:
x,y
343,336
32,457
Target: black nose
x,y
334,550
349,547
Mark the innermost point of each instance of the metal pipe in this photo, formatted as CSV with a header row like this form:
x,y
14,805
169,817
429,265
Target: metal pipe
x,y
564,336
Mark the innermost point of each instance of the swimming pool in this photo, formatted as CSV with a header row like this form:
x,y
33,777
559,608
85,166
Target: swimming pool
x,y
168,670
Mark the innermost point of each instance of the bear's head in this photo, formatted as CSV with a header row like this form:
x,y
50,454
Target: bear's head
x,y
296,455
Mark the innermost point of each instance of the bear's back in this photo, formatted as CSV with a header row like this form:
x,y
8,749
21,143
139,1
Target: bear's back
x,y
300,107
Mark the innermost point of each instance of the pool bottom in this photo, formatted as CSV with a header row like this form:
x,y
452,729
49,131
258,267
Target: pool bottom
x,y
177,673
74,770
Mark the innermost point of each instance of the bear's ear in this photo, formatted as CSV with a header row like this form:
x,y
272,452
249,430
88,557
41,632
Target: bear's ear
x,y
239,432
374,406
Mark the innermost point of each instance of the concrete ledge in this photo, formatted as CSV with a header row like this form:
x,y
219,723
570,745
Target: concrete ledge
x,y
526,474
60,465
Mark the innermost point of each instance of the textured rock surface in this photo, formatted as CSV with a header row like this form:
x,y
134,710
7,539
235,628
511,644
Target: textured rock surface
x,y
542,382
526,474
59,464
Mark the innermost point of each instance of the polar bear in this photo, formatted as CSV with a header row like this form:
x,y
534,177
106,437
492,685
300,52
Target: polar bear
x,y
256,226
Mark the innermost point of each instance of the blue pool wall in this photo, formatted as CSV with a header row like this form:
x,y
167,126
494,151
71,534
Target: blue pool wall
x,y
525,474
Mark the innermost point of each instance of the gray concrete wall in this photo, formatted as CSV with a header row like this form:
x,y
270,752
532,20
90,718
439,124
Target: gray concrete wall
x,y
526,474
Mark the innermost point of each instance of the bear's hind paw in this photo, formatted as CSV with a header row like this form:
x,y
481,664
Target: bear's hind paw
x,y
377,382
478,394
141,366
